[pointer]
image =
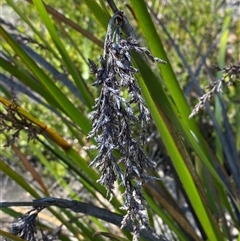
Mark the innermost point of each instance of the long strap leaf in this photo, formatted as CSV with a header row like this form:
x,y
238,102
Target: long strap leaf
x,y
56,93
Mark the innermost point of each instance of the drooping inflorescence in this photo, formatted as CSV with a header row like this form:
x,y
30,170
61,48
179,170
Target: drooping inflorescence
x,y
119,108
231,74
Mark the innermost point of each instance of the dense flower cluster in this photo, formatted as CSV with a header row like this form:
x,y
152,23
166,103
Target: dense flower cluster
x,y
25,226
118,109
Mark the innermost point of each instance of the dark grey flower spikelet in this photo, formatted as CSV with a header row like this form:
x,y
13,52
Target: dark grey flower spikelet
x,y
231,76
120,154
25,226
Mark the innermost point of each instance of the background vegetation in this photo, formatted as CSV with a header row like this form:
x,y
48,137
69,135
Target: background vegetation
x,y
44,70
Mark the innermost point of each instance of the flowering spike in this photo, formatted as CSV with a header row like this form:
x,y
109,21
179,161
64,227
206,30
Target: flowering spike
x,y
113,121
